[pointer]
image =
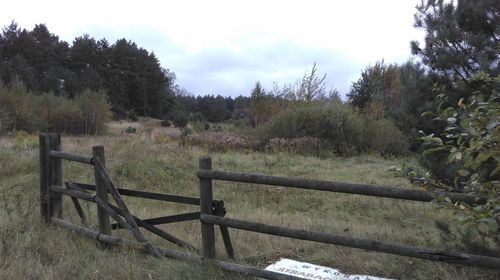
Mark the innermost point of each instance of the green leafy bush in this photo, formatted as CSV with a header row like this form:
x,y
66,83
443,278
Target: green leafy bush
x,y
468,149
197,116
340,126
180,119
383,136
21,110
95,111
200,126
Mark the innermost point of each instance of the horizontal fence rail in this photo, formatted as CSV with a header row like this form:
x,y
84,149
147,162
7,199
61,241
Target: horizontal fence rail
x,y
372,245
168,219
171,253
150,195
206,175
361,189
71,157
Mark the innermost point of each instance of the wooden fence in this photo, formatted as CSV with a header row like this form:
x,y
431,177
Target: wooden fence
x,y
212,212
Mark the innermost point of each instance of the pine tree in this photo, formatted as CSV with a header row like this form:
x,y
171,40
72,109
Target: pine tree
x,y
461,39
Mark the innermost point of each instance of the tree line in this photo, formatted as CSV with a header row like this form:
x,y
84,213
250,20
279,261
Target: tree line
x,y
131,76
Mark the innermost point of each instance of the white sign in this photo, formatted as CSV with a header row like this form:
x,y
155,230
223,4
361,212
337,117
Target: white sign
x,y
314,272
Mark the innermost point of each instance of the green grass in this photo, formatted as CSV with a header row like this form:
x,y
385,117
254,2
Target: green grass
x,y
31,250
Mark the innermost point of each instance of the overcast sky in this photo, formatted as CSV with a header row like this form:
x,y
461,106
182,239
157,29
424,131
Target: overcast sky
x,y
223,47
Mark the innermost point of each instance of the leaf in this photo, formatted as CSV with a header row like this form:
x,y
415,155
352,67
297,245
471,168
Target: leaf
x,y
478,208
483,156
433,150
449,111
461,102
465,122
451,120
427,114
473,131
491,223
495,171
435,140
463,172
492,125
455,155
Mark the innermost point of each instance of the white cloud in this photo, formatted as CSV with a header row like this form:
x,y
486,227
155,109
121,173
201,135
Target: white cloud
x,y
225,46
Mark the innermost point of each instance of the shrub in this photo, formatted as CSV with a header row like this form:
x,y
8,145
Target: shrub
x,y
339,125
132,115
383,136
180,119
242,123
468,148
21,110
14,107
95,109
302,145
130,130
166,123
200,126
24,141
197,117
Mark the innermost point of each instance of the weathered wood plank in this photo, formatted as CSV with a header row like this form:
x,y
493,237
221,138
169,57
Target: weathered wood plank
x,y
56,203
101,192
168,219
163,234
106,207
227,241
71,157
249,270
206,197
134,229
43,149
79,210
149,195
72,192
362,189
373,245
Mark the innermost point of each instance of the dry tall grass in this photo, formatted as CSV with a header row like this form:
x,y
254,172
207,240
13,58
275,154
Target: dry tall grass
x,y
152,160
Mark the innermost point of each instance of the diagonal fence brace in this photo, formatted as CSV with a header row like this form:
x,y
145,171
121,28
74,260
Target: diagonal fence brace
x,y
136,233
78,207
218,209
165,235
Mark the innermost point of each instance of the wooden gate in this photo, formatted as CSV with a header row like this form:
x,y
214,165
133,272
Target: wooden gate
x,y
212,212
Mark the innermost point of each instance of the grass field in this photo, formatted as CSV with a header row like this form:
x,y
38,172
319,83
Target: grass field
x,y
152,159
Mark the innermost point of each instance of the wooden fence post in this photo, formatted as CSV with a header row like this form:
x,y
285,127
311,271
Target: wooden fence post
x,y
43,148
50,174
206,197
55,205
101,192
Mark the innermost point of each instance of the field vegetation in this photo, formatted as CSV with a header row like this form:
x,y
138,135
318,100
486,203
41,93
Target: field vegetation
x,y
153,159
